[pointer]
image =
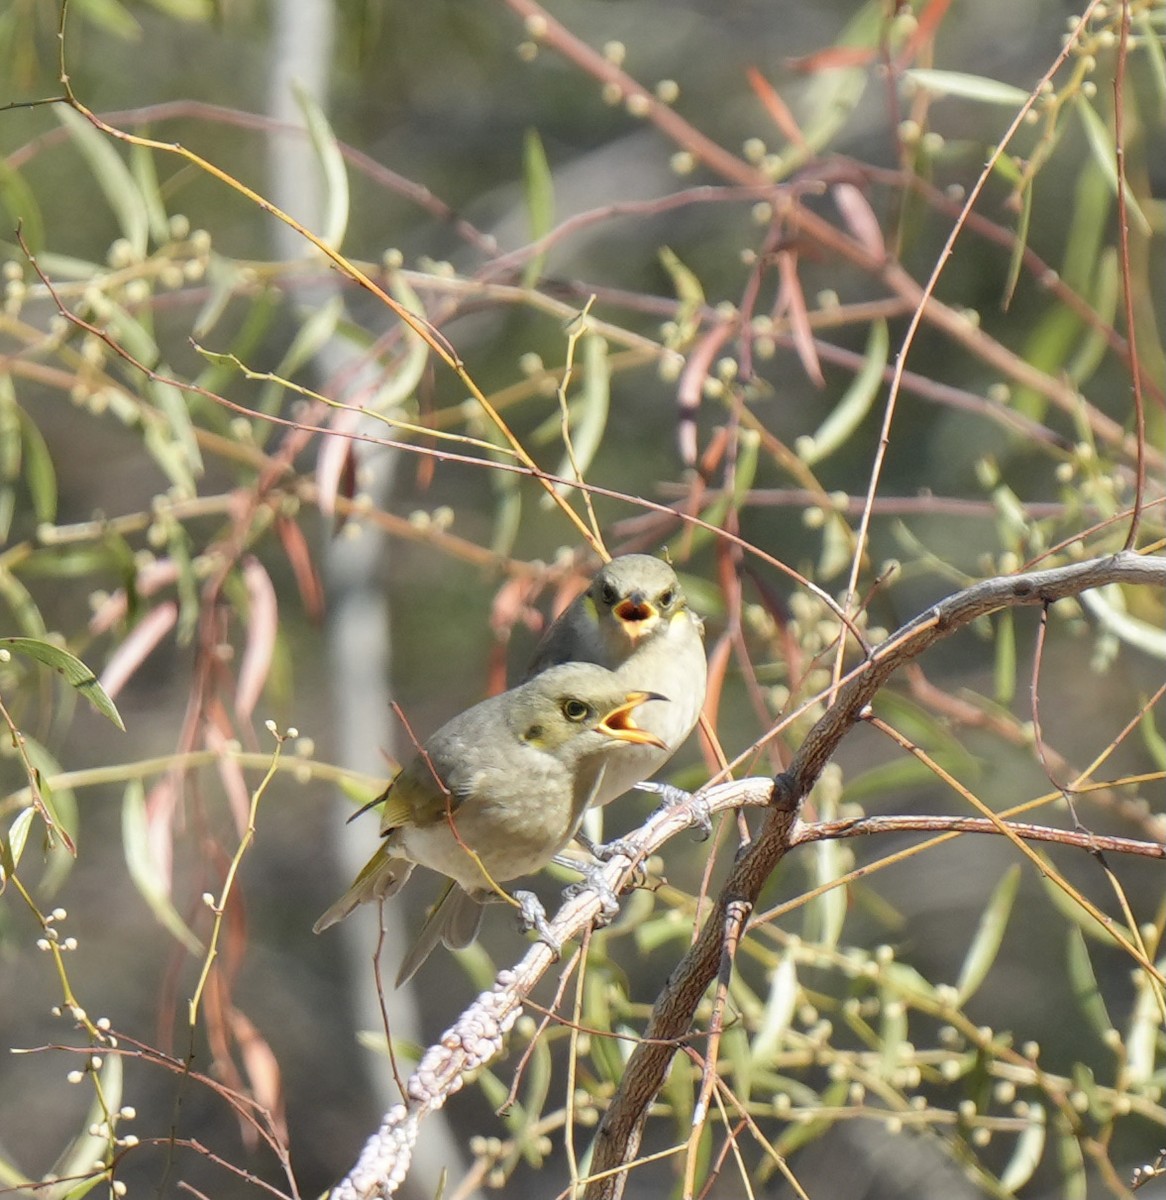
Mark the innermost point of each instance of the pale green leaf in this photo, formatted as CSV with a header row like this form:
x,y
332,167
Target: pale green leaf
x,y
1083,981
1101,143
539,188
19,202
780,1006
171,402
75,672
1005,658
1141,1040
1019,245
310,338
39,475
985,945
848,414
1030,1148
113,178
593,408
400,383
332,166
1153,740
967,87
144,870
1107,604
146,176
1095,345
13,849
114,18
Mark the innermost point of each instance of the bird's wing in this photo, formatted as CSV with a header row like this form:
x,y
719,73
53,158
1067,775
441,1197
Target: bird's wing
x,y
383,875
569,638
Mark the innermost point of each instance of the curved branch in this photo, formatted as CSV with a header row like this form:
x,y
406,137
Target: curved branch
x,y
619,1132
479,1034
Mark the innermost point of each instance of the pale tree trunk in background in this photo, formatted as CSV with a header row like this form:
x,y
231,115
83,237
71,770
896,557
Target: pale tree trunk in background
x,y
358,649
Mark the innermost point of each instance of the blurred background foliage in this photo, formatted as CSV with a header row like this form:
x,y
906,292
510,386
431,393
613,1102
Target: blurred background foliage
x,y
188,456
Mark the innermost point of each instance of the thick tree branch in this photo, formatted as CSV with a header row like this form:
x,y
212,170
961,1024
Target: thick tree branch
x,y
618,1137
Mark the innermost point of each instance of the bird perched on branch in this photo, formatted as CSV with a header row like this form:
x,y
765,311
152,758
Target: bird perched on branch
x,y
634,619
496,793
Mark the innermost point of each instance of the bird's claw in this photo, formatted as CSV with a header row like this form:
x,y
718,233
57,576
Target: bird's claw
x,y
671,796
532,916
606,851
593,881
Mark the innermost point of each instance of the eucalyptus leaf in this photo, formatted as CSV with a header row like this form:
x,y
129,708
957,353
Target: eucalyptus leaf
x,y
113,177
539,188
335,173
144,870
985,945
74,671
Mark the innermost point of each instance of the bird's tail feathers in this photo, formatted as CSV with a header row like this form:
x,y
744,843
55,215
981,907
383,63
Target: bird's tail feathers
x,y
454,919
383,876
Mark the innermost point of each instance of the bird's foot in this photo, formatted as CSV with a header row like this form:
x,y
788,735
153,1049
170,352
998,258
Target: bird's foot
x,y
532,916
593,881
606,851
670,796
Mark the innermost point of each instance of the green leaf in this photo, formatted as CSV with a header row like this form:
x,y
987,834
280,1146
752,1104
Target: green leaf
x,y
19,202
1004,687
144,870
311,336
1153,740
1084,983
76,673
989,935
856,402
172,404
967,87
1141,1039
593,409
1108,605
1100,141
689,292
1030,1148
146,176
400,383
780,1006
112,176
1094,345
539,188
61,805
332,165
12,850
113,18
1019,245
39,474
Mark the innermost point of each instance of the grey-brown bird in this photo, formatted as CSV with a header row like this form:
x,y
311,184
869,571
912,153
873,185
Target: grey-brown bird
x,y
496,793
634,620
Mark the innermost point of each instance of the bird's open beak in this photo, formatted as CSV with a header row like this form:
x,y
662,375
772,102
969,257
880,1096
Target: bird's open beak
x,y
637,614
620,724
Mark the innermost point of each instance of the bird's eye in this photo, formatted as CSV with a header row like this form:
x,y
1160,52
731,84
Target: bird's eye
x,y
576,710
667,596
609,595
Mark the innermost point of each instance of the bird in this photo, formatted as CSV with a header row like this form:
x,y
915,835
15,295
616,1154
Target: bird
x,y
634,619
495,794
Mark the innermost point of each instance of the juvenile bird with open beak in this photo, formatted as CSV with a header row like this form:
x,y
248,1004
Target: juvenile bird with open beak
x,y
634,619
496,793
